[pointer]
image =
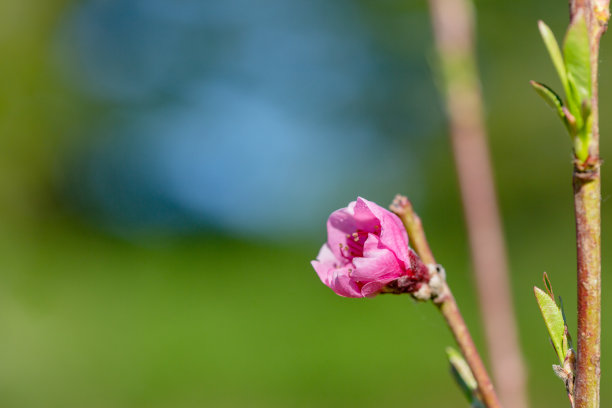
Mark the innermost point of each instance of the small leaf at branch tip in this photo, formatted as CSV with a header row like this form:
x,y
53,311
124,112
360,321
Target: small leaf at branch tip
x,y
553,319
548,286
542,26
554,101
554,51
576,55
550,97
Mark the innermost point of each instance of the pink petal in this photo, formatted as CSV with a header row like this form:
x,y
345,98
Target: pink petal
x,y
343,285
365,219
325,264
340,224
325,271
378,264
393,234
326,255
372,289
332,275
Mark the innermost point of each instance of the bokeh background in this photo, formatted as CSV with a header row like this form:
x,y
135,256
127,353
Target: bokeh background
x,y
167,168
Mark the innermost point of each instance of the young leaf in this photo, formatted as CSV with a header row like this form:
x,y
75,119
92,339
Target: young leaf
x,y
553,320
550,97
464,377
574,102
549,289
576,53
566,344
553,50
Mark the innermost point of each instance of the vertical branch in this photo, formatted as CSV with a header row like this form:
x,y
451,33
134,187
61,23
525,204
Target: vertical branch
x,y
453,29
587,194
446,303
588,243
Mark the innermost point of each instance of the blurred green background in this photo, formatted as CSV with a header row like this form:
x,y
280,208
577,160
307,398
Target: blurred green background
x,y
167,169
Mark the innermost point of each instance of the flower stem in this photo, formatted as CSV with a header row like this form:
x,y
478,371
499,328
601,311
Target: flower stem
x,y
402,207
446,302
449,309
453,25
587,196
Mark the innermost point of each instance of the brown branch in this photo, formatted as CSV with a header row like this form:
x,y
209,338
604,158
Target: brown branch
x,y
449,309
588,243
446,302
587,196
453,23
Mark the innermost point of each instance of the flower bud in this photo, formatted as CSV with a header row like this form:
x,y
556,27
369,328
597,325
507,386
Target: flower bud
x,y
367,253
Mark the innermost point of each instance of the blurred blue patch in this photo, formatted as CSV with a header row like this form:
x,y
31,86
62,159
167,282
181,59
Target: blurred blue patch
x,y
258,118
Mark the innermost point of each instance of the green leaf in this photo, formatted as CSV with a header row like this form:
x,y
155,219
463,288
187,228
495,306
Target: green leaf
x,y
576,53
549,289
464,377
554,101
574,102
553,50
566,341
550,97
553,318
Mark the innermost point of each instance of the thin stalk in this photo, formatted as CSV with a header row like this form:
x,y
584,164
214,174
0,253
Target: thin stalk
x,y
402,207
587,196
449,309
446,303
453,24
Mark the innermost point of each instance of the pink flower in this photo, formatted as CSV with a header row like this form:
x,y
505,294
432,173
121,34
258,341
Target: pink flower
x,y
366,250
